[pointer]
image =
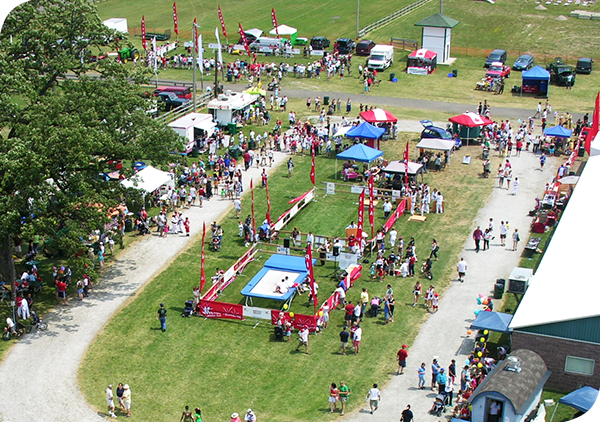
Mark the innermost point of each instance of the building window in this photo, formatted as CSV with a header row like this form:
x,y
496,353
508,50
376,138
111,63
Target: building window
x,y
579,365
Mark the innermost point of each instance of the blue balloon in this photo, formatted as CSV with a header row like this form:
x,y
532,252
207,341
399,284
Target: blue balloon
x,y
477,311
479,301
467,362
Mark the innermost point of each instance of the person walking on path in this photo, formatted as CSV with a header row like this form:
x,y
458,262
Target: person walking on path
x,y
542,161
503,233
344,395
435,370
344,337
477,236
110,402
162,317
303,340
407,414
515,186
441,380
417,289
421,372
374,397
127,400
516,239
401,357
186,225
500,176
334,396
461,268
452,371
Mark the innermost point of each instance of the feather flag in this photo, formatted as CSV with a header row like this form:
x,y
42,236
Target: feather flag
x,y
268,203
595,123
222,23
144,42
361,215
220,56
274,21
252,209
175,23
311,276
202,276
406,156
372,206
195,35
312,169
244,40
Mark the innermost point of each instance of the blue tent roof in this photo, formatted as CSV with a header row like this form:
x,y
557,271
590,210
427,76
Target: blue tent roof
x,y
360,152
582,399
558,132
365,130
493,321
536,73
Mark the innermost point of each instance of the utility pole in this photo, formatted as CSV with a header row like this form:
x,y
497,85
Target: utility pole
x,y
216,74
441,7
357,15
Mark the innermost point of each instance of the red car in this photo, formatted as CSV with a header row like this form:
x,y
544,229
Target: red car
x,y
498,70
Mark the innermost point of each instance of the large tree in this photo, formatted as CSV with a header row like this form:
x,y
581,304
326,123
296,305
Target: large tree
x,y
58,134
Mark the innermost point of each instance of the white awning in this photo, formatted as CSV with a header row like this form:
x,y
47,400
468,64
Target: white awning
x,y
435,143
148,179
283,30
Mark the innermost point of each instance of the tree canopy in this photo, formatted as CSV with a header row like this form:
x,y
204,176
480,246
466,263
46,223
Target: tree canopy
x,y
57,134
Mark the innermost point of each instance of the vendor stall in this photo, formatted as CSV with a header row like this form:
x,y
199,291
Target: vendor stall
x,y
368,132
193,128
468,125
536,81
358,152
400,168
230,107
285,31
421,62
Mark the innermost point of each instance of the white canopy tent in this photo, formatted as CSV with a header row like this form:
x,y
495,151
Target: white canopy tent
x,y
341,132
254,32
148,179
400,167
283,30
435,143
567,276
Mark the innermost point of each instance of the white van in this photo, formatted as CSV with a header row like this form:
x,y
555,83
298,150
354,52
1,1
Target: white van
x,y
382,57
266,45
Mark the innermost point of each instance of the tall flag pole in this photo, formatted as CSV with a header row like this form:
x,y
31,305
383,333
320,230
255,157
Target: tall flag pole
x,y
195,35
372,206
406,166
268,203
311,275
175,23
222,23
274,17
220,53
361,216
244,39
144,42
312,169
202,276
252,208
595,123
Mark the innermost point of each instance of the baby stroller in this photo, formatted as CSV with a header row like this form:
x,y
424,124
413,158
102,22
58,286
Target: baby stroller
x,y
188,311
216,244
279,333
439,405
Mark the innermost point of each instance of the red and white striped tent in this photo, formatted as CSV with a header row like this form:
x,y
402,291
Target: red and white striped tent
x,y
378,115
421,62
470,119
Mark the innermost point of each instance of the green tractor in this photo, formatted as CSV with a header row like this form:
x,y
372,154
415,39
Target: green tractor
x,y
128,53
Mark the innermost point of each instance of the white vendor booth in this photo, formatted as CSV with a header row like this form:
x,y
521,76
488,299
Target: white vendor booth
x,y
226,107
192,127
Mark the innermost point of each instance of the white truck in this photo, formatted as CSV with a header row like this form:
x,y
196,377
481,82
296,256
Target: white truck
x,y
382,57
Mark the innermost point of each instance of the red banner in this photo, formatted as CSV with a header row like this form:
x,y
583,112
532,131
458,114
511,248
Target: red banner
x,y
212,309
361,216
222,23
195,35
275,25
252,208
312,169
175,23
268,203
299,321
372,206
395,215
202,276
244,40
595,123
406,158
144,42
311,276
300,198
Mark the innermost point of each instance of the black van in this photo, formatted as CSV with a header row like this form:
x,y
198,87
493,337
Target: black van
x,y
496,56
584,65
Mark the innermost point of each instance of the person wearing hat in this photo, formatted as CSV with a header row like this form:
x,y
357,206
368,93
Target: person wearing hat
x,y
250,416
235,418
162,317
127,400
401,357
110,402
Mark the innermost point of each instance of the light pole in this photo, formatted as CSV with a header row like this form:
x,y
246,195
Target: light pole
x,y
357,15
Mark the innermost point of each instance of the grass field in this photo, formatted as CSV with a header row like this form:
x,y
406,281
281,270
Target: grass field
x,y
228,366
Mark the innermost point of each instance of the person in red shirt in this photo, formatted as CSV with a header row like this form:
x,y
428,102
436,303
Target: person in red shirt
x,y
349,309
401,357
186,224
61,288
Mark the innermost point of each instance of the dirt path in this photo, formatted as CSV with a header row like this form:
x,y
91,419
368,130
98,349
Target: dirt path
x,y
39,373
444,334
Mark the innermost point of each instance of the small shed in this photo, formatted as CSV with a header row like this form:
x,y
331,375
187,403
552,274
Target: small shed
x,y
512,390
436,35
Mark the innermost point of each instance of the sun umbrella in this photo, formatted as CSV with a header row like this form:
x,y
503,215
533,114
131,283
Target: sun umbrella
x,y
378,115
256,91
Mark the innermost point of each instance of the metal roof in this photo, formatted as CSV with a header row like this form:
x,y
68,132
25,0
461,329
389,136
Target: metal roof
x,y
438,21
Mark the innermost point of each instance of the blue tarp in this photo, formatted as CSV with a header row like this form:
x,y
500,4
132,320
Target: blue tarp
x,y
365,130
360,152
582,399
493,321
536,73
558,132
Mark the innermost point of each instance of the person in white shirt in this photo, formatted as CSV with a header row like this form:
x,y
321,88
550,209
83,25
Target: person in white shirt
x,y
393,237
439,203
461,268
303,338
250,416
110,403
503,232
387,208
310,238
374,397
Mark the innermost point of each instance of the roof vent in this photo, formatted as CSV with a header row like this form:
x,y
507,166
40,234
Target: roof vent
x,y
513,364
223,98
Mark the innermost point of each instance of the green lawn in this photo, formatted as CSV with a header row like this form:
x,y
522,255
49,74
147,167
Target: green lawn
x,y
196,361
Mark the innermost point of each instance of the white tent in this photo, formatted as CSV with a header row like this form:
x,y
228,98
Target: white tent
x,y
436,143
567,276
118,24
283,30
342,131
254,32
148,179
400,167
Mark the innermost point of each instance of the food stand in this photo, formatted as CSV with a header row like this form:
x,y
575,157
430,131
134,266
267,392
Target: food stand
x,y
192,128
227,107
421,62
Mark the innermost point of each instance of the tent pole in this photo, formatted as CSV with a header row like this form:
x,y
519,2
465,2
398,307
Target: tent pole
x,y
336,168
553,413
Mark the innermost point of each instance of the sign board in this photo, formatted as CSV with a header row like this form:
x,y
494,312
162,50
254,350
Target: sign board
x,y
330,188
296,51
317,53
215,46
282,250
357,189
258,313
417,71
396,194
229,274
346,259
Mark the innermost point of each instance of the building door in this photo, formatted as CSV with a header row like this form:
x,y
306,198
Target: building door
x,y
494,411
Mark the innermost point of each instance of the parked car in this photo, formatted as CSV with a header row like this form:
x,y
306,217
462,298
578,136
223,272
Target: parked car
x,y
319,43
497,55
584,65
180,91
364,47
560,73
498,70
169,100
431,131
524,62
345,45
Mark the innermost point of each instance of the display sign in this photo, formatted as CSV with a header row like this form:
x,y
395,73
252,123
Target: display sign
x,y
330,188
357,189
215,46
257,313
346,259
212,309
396,194
417,71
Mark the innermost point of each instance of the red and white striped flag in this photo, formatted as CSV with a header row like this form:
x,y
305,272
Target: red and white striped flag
x,y
361,215
372,206
275,21
222,23
312,169
175,24
195,35
244,39
202,276
311,275
144,42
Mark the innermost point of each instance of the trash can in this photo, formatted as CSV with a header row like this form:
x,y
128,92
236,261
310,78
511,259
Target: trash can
x,y
392,76
326,100
230,77
499,288
455,73
195,152
251,144
581,152
128,225
232,128
235,152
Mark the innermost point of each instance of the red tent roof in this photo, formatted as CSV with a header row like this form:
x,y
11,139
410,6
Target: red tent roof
x,y
378,115
422,53
470,120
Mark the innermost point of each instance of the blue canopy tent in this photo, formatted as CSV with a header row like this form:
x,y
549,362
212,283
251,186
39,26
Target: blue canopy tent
x,y
582,399
359,152
558,132
493,321
536,81
366,131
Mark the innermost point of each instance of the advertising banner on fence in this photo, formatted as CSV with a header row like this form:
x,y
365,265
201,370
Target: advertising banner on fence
x,y
211,309
298,320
